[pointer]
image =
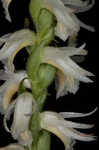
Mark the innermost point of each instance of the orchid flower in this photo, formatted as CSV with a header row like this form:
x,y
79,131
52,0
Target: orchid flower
x,y
13,147
64,129
67,22
69,73
13,44
10,87
22,107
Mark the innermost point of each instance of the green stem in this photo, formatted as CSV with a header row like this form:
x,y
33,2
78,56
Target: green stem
x,y
41,75
44,141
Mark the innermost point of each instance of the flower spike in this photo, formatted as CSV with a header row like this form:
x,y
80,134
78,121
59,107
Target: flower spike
x,y
31,125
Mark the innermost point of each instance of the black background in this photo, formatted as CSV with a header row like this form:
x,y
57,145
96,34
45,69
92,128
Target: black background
x,y
86,98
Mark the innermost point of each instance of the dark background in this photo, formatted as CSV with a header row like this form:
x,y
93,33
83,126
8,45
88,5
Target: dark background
x,y
86,98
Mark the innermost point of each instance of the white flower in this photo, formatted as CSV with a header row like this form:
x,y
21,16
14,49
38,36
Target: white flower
x,y
13,44
10,87
69,73
13,147
67,22
64,129
22,107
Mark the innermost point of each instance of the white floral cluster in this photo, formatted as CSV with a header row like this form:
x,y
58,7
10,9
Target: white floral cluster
x,y
69,75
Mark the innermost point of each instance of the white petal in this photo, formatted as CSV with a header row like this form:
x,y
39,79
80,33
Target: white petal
x,y
61,31
7,115
14,44
6,5
65,85
69,67
70,86
74,115
22,114
71,124
85,26
78,5
70,51
13,147
10,87
81,136
76,2
25,138
67,25
3,39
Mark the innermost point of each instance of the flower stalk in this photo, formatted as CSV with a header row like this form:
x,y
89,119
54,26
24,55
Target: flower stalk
x,y
41,75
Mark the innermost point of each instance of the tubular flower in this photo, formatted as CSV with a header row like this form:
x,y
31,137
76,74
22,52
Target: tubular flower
x,y
22,107
10,87
13,44
67,22
64,129
13,147
69,73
